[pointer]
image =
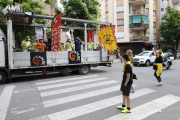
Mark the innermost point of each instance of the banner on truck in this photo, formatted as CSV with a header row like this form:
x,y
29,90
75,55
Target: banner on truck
x,y
39,33
74,57
56,33
38,59
108,38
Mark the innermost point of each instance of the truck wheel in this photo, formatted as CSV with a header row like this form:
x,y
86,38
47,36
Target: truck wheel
x,y
147,63
83,70
135,64
3,77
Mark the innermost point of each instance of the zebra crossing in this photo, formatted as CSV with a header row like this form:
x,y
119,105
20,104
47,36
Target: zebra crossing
x,y
86,87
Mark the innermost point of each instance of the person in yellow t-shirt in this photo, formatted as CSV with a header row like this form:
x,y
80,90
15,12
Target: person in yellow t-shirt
x,y
69,45
34,46
90,45
26,44
62,46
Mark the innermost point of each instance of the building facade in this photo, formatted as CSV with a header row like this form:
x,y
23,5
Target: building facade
x,y
136,22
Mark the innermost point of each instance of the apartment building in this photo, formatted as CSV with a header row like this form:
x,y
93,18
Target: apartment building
x,y
136,22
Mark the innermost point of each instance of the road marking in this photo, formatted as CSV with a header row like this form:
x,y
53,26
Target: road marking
x,y
55,92
88,108
65,80
72,98
5,100
70,83
148,109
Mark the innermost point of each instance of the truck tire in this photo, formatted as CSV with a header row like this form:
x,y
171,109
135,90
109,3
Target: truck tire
x,y
3,77
83,70
147,63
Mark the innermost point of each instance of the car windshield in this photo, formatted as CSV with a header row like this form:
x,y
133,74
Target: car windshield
x,y
144,54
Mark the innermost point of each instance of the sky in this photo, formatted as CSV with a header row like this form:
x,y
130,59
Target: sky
x,y
59,4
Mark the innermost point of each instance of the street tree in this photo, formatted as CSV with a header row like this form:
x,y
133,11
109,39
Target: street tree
x,y
170,26
79,9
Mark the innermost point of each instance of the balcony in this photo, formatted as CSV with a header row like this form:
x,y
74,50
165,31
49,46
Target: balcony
x,y
138,2
139,12
139,39
139,26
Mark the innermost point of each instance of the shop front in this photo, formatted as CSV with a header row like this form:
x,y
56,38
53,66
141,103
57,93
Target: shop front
x,y
135,47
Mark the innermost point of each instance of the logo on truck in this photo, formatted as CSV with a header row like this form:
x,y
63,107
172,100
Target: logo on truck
x,y
74,57
38,59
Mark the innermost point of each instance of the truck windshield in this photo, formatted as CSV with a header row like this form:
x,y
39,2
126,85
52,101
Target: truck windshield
x,y
144,54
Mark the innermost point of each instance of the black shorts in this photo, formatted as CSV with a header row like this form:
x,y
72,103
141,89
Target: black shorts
x,y
126,89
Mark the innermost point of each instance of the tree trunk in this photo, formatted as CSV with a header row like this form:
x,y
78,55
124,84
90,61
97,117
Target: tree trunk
x,y
177,44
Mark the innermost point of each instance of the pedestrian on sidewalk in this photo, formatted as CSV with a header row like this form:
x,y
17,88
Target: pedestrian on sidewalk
x,y
126,84
129,52
157,66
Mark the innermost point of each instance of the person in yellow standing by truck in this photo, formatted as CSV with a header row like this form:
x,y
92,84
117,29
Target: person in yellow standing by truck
x,y
34,46
26,44
157,66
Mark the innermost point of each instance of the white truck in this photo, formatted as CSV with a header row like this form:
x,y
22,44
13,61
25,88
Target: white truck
x,y
20,63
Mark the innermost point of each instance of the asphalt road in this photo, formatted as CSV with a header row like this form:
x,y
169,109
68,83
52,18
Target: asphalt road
x,y
92,97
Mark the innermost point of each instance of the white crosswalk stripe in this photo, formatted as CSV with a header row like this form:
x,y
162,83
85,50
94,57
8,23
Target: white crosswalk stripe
x,y
148,109
88,108
70,83
63,100
5,100
51,92
55,92
66,80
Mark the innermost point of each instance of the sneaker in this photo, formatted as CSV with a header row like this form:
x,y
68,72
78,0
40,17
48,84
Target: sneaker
x,y
126,111
132,91
159,84
121,107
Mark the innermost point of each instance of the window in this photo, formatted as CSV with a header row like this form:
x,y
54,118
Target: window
x,y
99,7
120,22
162,9
99,18
120,35
154,2
154,13
106,3
107,14
154,24
147,34
120,9
154,36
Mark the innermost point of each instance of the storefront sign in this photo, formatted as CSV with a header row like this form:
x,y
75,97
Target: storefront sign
x,y
74,57
38,58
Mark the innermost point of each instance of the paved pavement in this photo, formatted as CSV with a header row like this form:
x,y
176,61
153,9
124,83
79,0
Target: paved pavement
x,y
92,97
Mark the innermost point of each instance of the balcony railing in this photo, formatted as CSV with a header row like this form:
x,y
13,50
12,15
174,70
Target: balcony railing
x,y
139,25
142,38
141,12
139,0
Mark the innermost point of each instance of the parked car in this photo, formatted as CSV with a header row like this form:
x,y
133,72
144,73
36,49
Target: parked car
x,y
144,58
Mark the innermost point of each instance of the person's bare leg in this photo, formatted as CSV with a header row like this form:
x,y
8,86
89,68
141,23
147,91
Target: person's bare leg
x,y
128,101
124,99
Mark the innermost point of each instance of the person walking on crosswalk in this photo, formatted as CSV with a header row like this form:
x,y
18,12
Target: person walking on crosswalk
x,y
126,84
157,66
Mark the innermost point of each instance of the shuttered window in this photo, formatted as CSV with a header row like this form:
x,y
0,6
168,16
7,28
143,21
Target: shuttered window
x,y
120,22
